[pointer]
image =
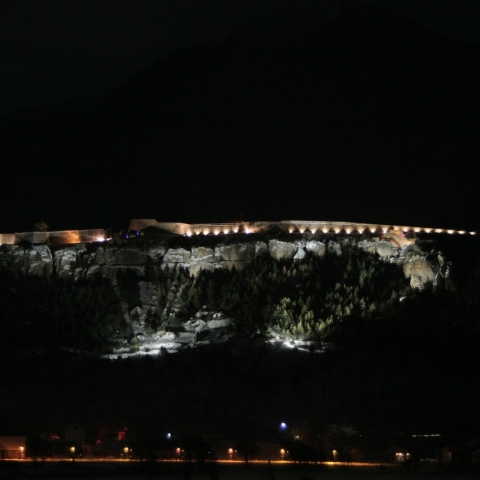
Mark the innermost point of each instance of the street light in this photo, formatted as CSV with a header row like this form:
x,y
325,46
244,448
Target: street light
x,y
283,426
334,453
282,453
230,452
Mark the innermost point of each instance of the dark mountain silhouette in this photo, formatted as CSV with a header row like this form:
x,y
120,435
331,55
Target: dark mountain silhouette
x,y
333,111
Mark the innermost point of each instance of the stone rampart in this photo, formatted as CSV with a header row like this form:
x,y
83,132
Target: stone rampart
x,y
60,237
291,226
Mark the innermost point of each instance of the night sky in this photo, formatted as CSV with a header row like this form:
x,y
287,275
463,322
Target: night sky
x,y
253,110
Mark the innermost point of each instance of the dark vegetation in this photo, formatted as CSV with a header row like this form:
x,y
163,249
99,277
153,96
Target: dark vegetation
x,y
39,313
420,376
397,366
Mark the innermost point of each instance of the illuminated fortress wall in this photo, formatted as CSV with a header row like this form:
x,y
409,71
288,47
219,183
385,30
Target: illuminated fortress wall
x,y
63,237
60,237
291,226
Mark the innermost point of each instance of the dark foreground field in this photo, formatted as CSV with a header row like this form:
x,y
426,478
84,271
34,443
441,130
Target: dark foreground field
x,y
127,471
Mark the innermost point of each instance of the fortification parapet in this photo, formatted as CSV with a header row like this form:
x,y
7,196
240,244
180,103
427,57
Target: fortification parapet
x,y
291,226
60,237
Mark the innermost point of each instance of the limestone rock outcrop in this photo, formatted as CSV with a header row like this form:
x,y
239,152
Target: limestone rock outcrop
x,y
201,259
335,247
383,248
300,255
237,255
317,248
65,261
82,260
36,260
419,271
175,257
156,252
282,250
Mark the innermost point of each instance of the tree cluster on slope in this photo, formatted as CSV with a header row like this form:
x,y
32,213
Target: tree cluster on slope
x,y
308,298
57,312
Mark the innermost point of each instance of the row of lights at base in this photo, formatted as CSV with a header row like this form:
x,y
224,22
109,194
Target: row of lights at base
x,y
217,232
347,231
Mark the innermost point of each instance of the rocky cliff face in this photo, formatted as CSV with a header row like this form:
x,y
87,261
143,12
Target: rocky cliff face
x,y
107,259
86,260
